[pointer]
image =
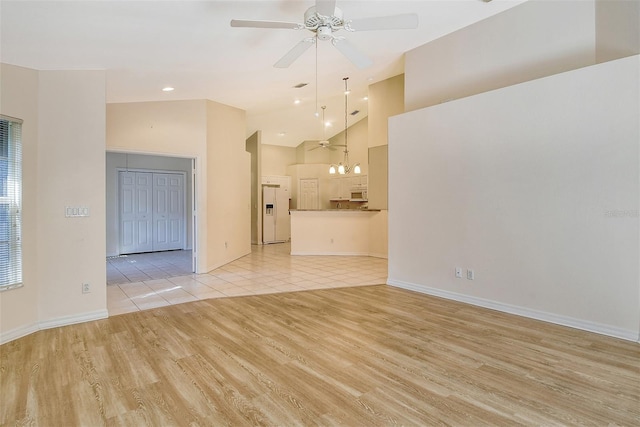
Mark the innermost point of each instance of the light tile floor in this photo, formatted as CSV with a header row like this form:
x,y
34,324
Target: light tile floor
x,y
149,266
268,269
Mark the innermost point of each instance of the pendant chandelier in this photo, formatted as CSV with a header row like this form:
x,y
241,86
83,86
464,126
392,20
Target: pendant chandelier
x,y
343,167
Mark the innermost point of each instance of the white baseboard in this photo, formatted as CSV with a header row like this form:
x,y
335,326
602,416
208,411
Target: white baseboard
x,y
385,256
77,318
20,332
52,323
625,334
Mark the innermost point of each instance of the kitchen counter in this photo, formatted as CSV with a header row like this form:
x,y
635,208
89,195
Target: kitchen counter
x,y
334,210
332,231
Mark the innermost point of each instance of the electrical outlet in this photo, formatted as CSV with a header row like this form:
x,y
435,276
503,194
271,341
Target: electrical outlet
x,y
86,288
470,274
458,272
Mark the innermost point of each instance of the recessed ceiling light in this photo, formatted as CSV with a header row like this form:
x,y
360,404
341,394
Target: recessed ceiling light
x,y
328,124
366,98
282,133
297,101
167,89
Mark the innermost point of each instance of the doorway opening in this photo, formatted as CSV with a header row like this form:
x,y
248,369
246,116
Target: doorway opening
x,y
151,217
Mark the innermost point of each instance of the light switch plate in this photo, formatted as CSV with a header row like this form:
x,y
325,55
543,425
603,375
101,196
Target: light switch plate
x,y
76,211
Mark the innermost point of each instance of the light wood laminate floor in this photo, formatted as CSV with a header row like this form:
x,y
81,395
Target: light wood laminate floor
x,y
361,356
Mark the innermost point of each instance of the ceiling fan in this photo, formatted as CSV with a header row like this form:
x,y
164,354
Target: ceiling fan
x,y
323,20
326,144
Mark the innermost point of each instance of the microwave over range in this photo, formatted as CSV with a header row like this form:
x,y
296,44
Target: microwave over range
x,y
358,195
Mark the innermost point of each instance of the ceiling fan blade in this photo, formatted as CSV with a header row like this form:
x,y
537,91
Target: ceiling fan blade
x,y
265,24
295,53
394,22
358,58
325,7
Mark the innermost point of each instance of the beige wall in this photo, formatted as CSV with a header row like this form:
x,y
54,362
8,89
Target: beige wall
x,y
213,134
275,159
71,120
64,114
617,29
254,148
175,128
509,48
305,153
345,232
319,171
229,186
386,99
19,98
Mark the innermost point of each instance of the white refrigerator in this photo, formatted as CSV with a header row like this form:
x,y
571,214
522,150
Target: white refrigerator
x,y
276,222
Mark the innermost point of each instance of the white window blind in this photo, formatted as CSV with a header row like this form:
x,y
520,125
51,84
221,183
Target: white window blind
x,y
10,203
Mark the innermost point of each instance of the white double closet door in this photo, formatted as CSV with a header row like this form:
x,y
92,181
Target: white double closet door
x,y
152,211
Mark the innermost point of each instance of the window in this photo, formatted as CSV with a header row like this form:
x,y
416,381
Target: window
x,y
10,203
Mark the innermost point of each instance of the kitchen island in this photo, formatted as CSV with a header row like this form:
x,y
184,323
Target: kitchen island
x,y
338,232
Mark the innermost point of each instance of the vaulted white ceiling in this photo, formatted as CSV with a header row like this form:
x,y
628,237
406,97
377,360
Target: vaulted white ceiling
x,y
190,45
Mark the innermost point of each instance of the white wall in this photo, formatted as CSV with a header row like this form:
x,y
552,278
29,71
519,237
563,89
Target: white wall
x,y
533,186
144,162
64,114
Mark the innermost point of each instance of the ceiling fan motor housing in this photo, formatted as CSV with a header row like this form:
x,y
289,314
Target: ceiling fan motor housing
x,y
323,25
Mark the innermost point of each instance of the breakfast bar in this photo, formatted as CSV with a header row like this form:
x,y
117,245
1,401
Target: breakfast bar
x,y
332,231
